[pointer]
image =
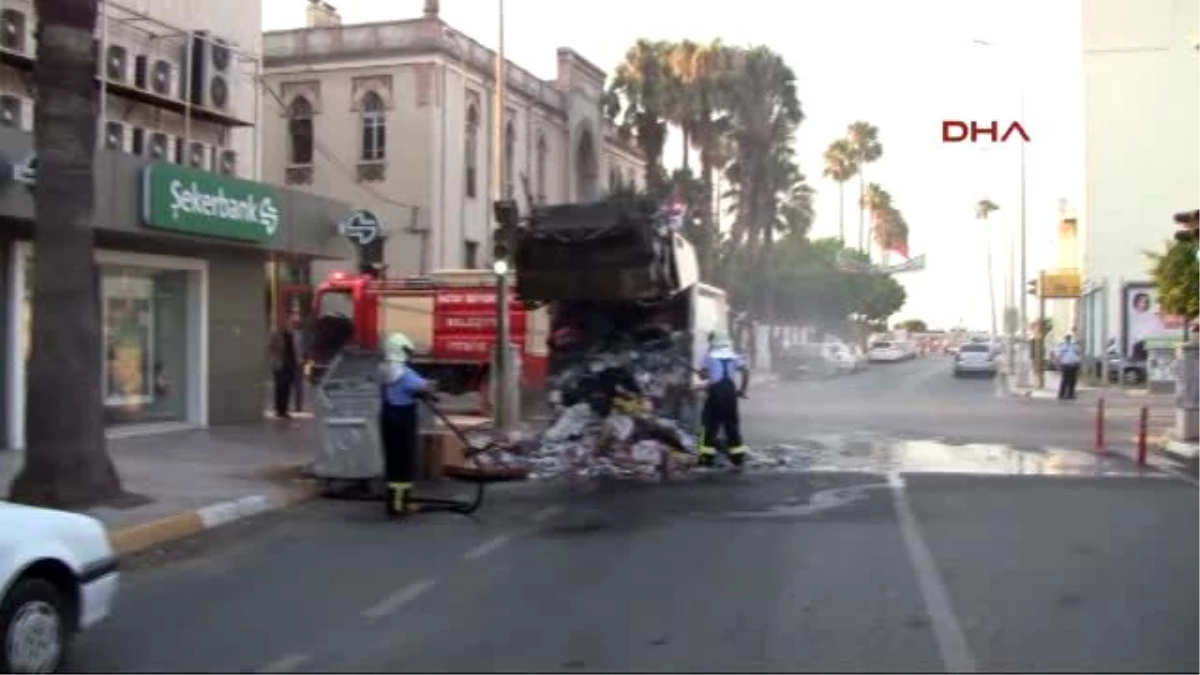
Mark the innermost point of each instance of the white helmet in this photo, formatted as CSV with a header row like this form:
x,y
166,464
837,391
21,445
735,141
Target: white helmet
x,y
397,348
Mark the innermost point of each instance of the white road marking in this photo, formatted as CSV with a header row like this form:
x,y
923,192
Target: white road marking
x,y
952,644
285,664
545,514
398,599
487,547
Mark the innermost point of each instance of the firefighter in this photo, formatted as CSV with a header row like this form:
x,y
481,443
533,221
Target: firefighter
x,y
720,411
400,387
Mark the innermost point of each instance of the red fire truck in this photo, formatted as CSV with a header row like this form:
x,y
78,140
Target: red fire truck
x,y
449,315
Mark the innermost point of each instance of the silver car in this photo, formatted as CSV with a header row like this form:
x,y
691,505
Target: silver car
x,y
975,359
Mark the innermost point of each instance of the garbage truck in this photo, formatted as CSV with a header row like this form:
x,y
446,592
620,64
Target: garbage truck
x,y
617,275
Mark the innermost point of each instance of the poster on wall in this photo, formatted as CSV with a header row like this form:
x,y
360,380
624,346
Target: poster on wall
x,y
1145,323
128,312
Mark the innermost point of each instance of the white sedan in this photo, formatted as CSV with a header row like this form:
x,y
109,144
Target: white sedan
x,y
58,576
886,352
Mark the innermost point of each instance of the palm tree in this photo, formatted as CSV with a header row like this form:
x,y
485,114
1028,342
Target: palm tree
x,y
840,167
863,138
891,233
702,75
66,460
638,101
983,209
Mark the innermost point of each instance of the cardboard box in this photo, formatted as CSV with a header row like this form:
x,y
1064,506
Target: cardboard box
x,y
439,449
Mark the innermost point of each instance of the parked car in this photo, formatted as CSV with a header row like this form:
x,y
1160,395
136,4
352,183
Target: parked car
x,y
815,360
846,358
1120,371
975,359
886,352
59,577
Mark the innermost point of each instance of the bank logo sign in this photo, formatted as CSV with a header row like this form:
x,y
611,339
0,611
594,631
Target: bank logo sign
x,y
199,202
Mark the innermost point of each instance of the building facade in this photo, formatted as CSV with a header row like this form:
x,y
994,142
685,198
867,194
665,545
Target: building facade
x,y
1141,74
397,117
183,231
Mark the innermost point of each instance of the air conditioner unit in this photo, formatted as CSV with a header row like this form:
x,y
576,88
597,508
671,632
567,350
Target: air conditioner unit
x,y
117,136
164,78
160,146
212,71
16,31
16,112
225,161
118,63
197,155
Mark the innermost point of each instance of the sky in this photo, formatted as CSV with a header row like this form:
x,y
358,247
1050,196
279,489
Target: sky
x,y
902,65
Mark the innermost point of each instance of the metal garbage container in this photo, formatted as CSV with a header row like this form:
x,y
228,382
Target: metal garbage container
x,y
346,406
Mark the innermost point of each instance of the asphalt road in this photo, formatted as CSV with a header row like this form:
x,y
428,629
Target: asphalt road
x,y
893,566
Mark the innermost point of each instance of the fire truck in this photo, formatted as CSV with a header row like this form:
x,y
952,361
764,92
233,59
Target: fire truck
x,y
449,315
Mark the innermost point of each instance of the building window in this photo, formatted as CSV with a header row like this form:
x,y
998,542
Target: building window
x,y
614,180
510,152
374,128
150,311
472,150
541,169
300,132
471,255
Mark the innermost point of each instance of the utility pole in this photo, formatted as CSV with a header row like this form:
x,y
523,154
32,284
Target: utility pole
x,y
1022,376
502,399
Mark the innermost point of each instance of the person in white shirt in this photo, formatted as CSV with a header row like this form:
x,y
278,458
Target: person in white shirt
x,y
1069,356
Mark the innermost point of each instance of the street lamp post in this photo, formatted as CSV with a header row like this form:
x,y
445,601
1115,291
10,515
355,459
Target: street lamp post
x,y
1022,373
502,399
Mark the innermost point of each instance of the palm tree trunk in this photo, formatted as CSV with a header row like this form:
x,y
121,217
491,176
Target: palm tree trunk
x,y
987,243
687,146
66,460
862,215
842,212
709,217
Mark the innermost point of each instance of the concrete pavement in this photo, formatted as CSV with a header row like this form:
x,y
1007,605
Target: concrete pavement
x,y
872,557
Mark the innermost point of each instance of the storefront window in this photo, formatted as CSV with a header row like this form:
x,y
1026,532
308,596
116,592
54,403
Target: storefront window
x,y
144,320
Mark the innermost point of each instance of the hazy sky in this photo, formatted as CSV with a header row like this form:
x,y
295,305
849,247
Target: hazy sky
x,y
903,65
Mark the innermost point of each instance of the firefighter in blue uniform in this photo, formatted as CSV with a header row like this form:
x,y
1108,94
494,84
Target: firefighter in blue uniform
x,y
400,387
720,413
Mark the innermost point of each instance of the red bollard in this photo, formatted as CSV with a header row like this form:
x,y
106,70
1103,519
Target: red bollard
x,y
1143,422
1100,449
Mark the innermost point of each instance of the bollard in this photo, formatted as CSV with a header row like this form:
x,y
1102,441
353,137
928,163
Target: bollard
x,y
1143,422
1100,449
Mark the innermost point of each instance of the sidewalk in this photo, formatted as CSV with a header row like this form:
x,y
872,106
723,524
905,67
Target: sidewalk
x,y
185,482
1049,389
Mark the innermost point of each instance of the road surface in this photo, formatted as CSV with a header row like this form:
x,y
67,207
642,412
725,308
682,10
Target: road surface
x,y
859,555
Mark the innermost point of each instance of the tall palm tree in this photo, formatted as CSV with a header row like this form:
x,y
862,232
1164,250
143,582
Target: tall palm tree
x,y
702,75
840,167
66,460
983,209
638,101
863,138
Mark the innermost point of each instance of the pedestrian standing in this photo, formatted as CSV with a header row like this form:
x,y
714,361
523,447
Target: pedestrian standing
x,y
720,413
285,364
1069,357
399,428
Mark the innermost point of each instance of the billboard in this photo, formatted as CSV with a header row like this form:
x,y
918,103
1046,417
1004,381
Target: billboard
x,y
1143,320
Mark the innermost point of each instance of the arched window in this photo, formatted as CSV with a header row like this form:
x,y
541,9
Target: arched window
x,y
510,161
472,149
542,154
374,128
300,132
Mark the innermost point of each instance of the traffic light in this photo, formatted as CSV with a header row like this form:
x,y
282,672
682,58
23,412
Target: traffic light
x,y
1189,222
1032,287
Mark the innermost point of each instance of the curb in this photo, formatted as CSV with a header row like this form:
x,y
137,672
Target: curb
x,y
135,538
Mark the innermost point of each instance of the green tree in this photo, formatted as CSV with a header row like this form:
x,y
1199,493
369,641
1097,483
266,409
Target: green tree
x,y
1176,276
840,167
866,149
66,459
913,325
638,101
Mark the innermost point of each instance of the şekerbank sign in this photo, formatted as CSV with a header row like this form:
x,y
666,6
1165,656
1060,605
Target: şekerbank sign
x,y
189,200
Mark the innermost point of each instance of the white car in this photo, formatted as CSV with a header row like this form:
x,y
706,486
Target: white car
x,y
58,576
975,359
885,352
